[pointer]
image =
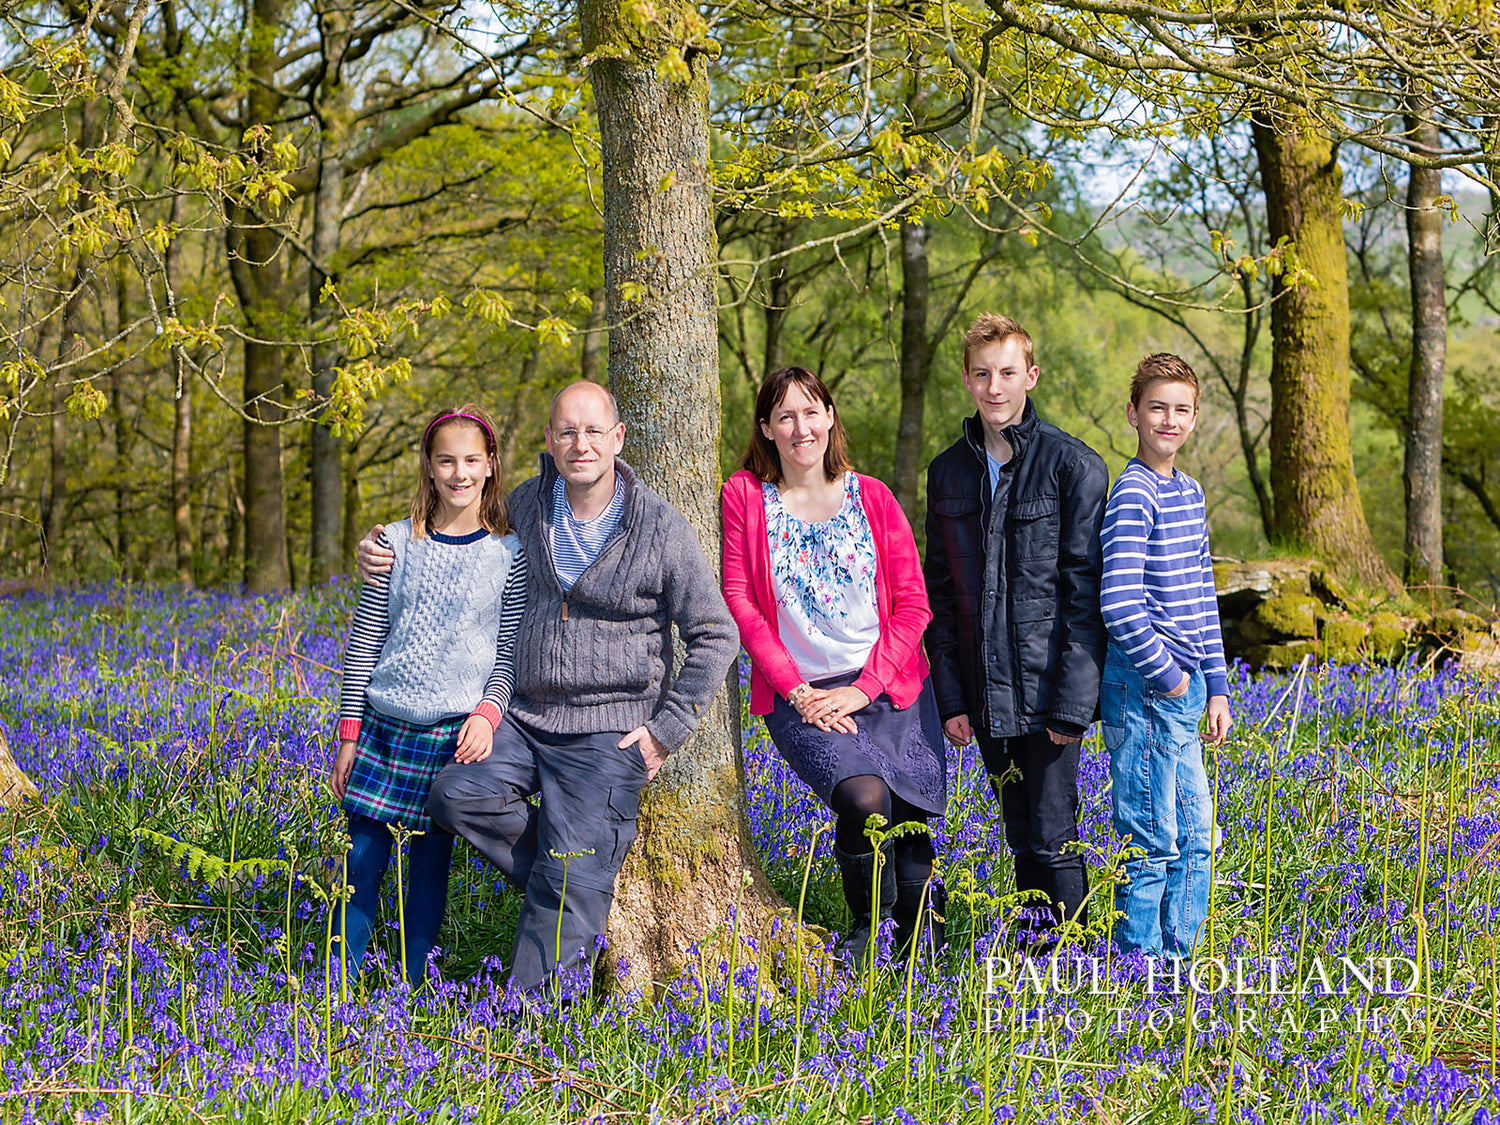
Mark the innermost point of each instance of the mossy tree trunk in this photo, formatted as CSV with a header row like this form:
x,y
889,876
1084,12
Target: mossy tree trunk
x,y
254,248
779,299
71,344
120,374
1422,471
332,108
593,340
15,786
1317,503
182,415
688,867
916,366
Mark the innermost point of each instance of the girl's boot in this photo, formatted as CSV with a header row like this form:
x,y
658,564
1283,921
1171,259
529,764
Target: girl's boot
x,y
858,872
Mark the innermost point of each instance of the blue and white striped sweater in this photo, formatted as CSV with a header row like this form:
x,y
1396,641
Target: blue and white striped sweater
x,y
1157,596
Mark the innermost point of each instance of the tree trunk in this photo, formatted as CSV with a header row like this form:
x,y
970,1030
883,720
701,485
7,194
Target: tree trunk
x,y
182,413
1422,473
508,419
916,365
688,868
55,486
258,250
15,786
1312,463
70,342
124,443
327,456
255,266
779,300
593,339
353,507
1240,393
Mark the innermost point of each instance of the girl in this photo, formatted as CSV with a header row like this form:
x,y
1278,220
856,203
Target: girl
x,y
427,674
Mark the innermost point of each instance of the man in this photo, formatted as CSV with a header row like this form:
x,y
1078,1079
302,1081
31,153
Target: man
x,y
1016,641
596,708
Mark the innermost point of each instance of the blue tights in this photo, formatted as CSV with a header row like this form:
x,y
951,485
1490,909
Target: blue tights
x,y
427,859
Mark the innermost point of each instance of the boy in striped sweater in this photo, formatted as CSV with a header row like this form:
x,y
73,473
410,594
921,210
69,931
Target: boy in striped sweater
x,y
1165,667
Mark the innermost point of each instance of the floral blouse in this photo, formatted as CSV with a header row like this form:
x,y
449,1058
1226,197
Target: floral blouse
x,y
824,576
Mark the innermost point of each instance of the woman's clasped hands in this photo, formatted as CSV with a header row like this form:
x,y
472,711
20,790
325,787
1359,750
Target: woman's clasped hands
x,y
829,709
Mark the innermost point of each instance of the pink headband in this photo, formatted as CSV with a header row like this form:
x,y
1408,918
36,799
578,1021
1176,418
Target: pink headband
x,y
480,422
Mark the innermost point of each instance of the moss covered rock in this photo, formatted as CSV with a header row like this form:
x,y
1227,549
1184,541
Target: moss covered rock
x,y
1281,657
1343,639
1330,587
1473,641
1455,623
1287,617
1387,639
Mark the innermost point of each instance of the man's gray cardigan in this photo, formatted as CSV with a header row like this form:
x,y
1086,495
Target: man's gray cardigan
x,y
600,657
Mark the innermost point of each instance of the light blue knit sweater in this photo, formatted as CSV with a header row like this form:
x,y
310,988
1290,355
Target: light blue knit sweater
x,y
443,606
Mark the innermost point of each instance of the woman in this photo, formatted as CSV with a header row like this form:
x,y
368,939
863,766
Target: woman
x,y
822,576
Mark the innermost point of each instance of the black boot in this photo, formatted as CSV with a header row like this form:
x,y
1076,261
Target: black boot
x,y
858,872
928,930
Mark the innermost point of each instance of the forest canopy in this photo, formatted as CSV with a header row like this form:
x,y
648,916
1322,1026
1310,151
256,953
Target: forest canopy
x,y
243,248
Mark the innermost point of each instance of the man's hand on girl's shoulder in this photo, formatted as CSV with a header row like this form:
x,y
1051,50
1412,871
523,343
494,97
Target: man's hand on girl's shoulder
x,y
373,558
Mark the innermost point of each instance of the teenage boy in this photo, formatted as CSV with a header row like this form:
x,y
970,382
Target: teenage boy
x,y
1016,643
1165,662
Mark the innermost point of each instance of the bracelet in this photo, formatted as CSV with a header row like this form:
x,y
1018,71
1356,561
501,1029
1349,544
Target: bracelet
x,y
798,692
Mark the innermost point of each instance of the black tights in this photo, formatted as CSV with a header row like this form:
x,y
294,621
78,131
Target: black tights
x,y
854,801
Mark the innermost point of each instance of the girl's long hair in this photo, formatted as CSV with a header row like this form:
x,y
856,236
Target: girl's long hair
x,y
424,504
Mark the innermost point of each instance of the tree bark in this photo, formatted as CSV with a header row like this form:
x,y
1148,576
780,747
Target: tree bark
x,y
693,854
15,786
267,566
593,339
327,456
353,508
1312,463
916,365
182,414
70,342
1240,393
779,300
254,248
55,486
124,439
1422,473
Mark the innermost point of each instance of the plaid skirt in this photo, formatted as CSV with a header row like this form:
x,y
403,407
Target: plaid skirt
x,y
394,767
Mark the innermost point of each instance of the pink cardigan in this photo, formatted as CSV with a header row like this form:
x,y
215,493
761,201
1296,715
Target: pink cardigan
x,y
896,666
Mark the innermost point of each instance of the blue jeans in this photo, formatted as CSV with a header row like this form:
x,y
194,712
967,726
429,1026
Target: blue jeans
x,y
1162,805
426,897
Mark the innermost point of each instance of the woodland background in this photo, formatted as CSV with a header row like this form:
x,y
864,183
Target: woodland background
x,y
246,247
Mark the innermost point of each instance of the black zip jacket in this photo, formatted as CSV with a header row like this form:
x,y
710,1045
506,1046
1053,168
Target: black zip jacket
x,y
1016,640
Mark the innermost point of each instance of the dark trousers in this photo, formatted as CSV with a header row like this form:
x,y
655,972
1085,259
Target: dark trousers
x,y
581,832
1040,809
425,898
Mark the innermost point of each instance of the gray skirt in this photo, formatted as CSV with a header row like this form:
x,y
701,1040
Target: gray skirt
x,y
902,747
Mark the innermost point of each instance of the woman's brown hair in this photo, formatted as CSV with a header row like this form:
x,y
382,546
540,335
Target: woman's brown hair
x,y
424,504
761,458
